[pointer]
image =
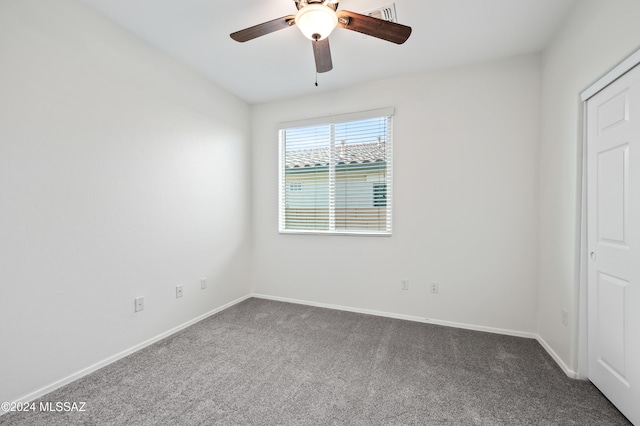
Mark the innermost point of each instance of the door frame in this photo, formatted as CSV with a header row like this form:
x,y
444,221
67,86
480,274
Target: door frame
x,y
618,71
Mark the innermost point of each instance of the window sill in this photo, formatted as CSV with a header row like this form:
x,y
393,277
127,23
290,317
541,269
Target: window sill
x,y
337,233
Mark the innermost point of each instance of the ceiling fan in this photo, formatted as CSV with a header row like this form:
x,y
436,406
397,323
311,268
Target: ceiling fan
x,y
316,19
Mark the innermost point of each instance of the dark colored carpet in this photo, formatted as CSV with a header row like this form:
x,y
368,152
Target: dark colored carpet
x,y
266,363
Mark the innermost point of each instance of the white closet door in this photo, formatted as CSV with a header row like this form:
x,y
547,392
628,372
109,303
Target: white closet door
x,y
613,170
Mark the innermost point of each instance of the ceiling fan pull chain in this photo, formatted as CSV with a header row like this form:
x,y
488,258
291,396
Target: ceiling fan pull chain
x,y
315,44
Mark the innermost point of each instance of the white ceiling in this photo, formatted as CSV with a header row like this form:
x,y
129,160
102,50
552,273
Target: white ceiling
x,y
280,65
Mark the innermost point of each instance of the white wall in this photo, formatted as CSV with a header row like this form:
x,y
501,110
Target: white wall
x,y
597,36
122,174
465,201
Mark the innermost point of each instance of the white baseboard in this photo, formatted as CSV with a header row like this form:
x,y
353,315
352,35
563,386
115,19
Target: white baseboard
x,y
569,372
401,316
75,376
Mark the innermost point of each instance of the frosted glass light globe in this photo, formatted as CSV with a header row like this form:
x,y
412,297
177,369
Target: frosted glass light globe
x,y
316,21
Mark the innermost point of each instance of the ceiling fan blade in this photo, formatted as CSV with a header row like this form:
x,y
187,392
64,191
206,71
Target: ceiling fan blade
x,y
379,28
264,28
322,53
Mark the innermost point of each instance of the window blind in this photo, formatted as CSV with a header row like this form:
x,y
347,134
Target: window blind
x,y
335,175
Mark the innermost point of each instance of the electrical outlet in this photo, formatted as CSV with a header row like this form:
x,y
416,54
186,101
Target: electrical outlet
x,y
404,285
139,303
565,317
203,283
434,288
179,291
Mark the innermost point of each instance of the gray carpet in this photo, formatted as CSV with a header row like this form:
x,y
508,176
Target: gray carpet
x,y
266,363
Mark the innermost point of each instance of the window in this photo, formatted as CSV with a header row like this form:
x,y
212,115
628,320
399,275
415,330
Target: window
x,y
379,195
335,175
295,186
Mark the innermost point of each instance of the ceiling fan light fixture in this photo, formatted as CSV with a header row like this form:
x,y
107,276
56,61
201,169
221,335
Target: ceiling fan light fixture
x,y
316,21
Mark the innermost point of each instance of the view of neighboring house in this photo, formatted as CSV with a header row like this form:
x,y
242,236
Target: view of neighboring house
x,y
359,196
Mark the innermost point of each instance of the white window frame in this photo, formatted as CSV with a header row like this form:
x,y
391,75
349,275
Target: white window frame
x,y
330,120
